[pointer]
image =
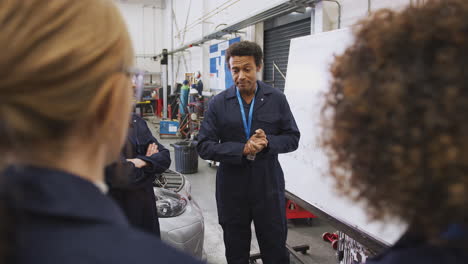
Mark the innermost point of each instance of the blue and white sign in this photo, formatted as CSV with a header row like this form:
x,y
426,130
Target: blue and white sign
x,y
220,76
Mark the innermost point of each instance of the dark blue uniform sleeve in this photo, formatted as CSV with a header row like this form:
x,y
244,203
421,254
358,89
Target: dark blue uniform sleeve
x,y
209,146
159,162
288,138
123,174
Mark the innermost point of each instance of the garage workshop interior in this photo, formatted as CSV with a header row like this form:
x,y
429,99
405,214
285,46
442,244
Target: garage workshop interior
x,y
234,131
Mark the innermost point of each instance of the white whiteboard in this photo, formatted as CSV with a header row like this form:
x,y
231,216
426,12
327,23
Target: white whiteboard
x,y
306,169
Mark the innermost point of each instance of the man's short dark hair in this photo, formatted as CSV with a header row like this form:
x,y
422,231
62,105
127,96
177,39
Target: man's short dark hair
x,y
245,48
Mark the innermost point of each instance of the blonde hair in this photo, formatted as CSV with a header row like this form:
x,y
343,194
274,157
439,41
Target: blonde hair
x,y
60,60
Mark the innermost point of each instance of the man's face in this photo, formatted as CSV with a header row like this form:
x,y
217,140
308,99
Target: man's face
x,y
244,72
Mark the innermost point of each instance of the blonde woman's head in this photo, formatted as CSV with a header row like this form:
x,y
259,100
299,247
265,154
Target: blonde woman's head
x,y
63,71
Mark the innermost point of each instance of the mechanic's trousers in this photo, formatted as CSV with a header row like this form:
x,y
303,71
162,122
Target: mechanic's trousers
x,y
270,228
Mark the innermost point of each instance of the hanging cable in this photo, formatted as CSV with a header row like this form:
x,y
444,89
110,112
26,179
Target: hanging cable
x,y
203,17
222,24
212,15
207,16
174,18
186,21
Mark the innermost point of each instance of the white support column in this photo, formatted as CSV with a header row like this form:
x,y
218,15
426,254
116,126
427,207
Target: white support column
x,y
259,39
164,80
317,19
173,77
205,63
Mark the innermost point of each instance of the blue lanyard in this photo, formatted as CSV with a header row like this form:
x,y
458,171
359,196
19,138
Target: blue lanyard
x,y
247,126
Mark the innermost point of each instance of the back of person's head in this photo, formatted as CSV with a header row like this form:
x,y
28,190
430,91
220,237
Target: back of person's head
x,y
62,67
245,48
62,72
399,97
185,82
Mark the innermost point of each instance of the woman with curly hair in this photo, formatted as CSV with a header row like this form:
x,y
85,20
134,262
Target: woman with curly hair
x,y
398,138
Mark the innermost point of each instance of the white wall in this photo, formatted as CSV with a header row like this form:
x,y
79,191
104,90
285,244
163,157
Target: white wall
x,y
150,28
145,25
354,10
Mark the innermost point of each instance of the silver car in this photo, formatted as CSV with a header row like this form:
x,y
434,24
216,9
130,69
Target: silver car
x,y
180,218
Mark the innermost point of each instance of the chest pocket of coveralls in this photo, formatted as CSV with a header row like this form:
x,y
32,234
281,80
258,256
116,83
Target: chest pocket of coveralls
x,y
269,122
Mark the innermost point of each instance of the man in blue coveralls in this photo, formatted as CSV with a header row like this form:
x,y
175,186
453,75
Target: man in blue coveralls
x,y
245,128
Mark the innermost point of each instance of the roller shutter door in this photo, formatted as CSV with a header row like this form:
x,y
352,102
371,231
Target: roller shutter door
x,y
276,49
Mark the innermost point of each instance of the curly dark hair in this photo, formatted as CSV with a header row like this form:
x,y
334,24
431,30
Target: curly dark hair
x,y
398,136
245,48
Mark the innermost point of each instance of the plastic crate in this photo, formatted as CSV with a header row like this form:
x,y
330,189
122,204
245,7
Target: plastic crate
x,y
168,127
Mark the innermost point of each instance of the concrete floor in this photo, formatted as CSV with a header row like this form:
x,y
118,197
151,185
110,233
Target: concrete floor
x,y
203,191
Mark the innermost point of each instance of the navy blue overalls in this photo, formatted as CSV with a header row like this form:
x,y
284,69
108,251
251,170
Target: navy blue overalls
x,y
61,218
413,248
250,190
134,192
